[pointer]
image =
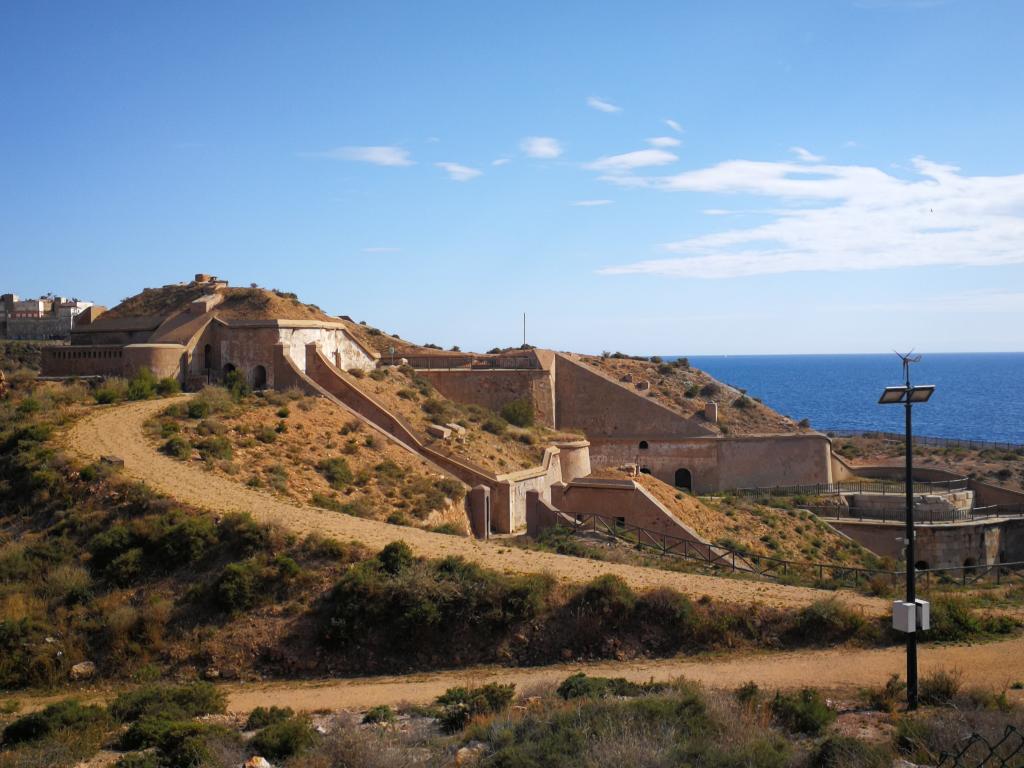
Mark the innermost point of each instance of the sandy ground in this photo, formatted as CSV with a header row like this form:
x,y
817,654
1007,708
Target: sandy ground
x,y
117,430
840,672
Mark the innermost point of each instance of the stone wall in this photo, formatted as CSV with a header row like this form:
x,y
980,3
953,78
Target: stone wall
x,y
720,463
622,499
38,328
496,388
928,507
950,545
164,360
590,401
84,361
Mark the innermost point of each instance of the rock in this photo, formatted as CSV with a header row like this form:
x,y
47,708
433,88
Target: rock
x,y
437,430
643,386
471,753
114,461
211,673
257,762
458,429
627,378
83,670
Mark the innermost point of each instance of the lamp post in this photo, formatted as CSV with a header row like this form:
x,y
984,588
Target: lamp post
x,y
912,614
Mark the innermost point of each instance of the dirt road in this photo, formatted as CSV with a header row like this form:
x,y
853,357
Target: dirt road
x,y
117,430
840,672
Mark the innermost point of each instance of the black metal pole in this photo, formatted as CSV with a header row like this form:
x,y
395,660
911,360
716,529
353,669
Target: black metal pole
x,y
911,567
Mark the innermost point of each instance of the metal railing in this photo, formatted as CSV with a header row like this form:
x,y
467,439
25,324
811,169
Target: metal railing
x,y
766,566
883,487
949,442
932,516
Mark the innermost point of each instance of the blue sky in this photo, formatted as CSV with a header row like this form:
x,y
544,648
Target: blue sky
x,y
821,176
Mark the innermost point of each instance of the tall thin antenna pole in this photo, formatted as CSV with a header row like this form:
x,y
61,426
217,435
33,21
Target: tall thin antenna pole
x,y
524,329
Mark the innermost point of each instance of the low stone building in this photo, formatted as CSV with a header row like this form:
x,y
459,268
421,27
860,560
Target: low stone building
x,y
198,332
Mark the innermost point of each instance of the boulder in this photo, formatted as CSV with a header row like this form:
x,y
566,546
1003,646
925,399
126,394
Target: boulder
x,y
257,762
458,429
83,670
643,386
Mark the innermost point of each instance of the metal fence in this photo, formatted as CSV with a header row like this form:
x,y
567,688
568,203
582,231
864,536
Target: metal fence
x,y
884,487
738,561
948,442
932,516
976,751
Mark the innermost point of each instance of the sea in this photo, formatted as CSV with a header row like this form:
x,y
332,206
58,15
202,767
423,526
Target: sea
x,y
977,396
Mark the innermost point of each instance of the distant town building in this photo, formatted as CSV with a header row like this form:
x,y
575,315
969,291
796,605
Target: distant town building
x,y
48,317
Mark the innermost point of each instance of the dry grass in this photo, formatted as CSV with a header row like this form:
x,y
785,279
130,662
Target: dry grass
x,y
284,443
509,450
687,390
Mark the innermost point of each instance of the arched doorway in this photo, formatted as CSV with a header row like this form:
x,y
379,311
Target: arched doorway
x,y
684,479
259,377
643,445
921,565
207,357
645,470
228,370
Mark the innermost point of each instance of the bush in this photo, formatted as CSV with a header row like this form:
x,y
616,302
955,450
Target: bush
x,y
236,385
168,386
494,425
802,712
198,409
178,447
261,717
142,385
952,619
461,704
580,686
886,698
215,448
285,738
337,472
519,412
940,687
266,434
380,714
168,702
848,752
64,715
395,557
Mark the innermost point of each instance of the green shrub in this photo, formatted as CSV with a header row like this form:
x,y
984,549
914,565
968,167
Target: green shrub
x,y
953,619
337,472
494,425
168,702
266,434
460,704
261,717
68,714
236,385
802,712
168,386
142,385
198,409
111,391
580,686
395,557
519,412
237,588
178,447
886,698
215,448
285,738
379,714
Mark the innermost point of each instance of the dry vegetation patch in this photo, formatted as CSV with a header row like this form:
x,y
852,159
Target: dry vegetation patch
x,y
686,390
488,439
308,449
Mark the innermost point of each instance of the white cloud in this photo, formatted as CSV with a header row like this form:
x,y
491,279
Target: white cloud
x,y
381,249
806,155
459,172
543,147
673,125
589,203
376,155
663,141
716,212
846,217
501,161
601,105
629,161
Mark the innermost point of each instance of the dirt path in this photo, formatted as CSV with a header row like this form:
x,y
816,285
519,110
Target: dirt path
x,y
840,671
117,430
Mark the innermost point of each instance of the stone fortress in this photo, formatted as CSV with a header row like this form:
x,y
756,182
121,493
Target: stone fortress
x,y
198,332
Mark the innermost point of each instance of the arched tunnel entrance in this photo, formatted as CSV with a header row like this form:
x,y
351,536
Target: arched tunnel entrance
x,y
684,479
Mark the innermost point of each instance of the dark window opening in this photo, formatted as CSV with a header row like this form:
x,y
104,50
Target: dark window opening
x,y
684,479
259,377
643,445
921,565
207,357
645,470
